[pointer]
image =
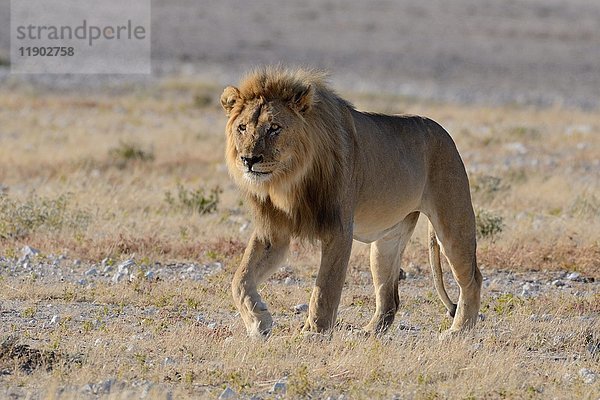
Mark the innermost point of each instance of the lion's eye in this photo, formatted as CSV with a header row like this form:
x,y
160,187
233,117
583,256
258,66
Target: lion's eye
x,y
274,130
241,128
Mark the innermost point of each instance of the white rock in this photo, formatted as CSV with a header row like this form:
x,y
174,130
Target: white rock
x,y
77,263
118,277
91,272
588,375
228,393
288,281
558,283
574,276
103,387
168,361
82,282
149,275
125,265
300,308
279,387
55,319
529,289
27,252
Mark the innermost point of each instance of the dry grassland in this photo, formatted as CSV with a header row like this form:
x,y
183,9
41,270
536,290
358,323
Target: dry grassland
x,y
137,173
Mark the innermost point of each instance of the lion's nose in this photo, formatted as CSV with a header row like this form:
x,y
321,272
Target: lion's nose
x,y
250,161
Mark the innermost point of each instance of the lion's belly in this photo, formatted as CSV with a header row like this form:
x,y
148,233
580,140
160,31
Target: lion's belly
x,y
375,221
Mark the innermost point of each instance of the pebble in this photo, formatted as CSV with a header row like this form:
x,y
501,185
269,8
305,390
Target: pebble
x,y
91,272
574,276
558,283
168,361
540,318
55,319
103,387
301,308
228,393
588,375
149,275
529,289
27,252
288,281
279,387
82,282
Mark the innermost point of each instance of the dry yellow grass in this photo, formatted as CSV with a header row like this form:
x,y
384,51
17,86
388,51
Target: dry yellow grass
x,y
537,169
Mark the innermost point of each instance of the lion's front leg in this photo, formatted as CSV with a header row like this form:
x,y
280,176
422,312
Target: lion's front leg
x,y
260,259
325,298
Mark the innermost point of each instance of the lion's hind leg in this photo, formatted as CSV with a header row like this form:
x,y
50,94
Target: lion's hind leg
x,y
456,232
386,257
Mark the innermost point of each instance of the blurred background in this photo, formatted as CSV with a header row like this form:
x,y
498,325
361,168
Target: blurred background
x,y
537,52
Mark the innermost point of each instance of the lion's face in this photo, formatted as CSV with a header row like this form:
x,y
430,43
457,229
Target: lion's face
x,y
266,139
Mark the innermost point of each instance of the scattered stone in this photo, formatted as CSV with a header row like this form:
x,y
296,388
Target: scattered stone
x,y
87,389
123,271
588,376
529,289
574,276
300,308
118,277
540,318
558,283
27,252
107,270
288,281
125,265
149,275
279,387
91,272
76,263
168,361
103,387
82,282
228,393
55,319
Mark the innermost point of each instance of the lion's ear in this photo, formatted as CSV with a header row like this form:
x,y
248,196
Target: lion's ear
x,y
230,96
303,99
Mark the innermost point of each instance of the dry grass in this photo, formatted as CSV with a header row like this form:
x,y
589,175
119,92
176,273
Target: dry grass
x,y
112,158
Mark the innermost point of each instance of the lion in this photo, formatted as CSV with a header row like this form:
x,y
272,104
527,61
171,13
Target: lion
x,y
311,166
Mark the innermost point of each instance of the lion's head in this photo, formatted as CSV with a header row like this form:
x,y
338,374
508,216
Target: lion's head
x,y
267,141
285,145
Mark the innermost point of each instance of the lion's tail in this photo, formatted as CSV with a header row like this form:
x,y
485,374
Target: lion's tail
x,y
436,269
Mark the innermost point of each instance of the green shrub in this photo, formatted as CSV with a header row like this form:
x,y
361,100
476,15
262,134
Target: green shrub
x,y
20,219
487,186
127,152
194,200
488,224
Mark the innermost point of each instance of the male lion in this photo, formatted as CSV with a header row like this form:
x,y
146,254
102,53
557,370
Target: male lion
x,y
311,166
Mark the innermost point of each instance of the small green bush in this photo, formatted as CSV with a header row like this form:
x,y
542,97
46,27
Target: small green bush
x,y
20,219
487,186
194,200
585,205
487,223
127,152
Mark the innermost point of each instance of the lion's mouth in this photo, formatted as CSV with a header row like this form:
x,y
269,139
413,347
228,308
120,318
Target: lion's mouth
x,y
258,176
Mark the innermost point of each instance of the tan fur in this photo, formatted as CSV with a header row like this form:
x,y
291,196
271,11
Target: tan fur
x,y
311,166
